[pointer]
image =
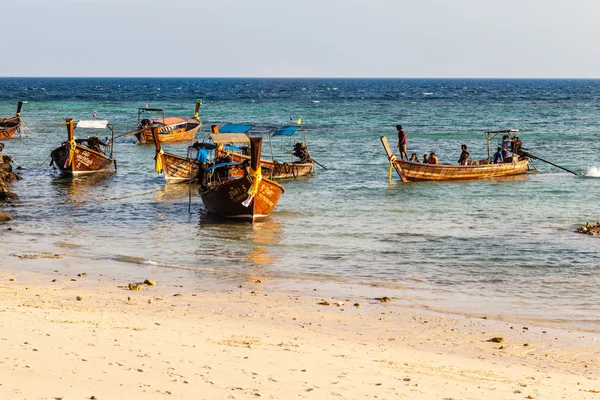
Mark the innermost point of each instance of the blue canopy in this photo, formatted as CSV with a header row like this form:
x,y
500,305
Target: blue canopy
x,y
235,128
286,131
225,164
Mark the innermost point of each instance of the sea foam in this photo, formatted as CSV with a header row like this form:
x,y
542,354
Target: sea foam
x,y
593,171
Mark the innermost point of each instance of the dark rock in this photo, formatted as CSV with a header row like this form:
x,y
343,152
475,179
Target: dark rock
x,y
590,229
6,195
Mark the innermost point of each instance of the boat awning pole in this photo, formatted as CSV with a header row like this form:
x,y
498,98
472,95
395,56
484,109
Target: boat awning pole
x,y
488,146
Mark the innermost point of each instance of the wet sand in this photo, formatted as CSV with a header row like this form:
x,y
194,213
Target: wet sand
x,y
253,340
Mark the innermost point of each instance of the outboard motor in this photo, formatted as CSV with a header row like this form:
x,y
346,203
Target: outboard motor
x,y
301,151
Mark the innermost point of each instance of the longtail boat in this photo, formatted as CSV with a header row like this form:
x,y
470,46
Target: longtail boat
x,y
247,198
408,171
180,169
274,169
9,126
84,156
170,129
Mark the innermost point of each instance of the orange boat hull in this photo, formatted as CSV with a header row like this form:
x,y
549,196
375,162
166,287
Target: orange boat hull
x,y
9,126
178,135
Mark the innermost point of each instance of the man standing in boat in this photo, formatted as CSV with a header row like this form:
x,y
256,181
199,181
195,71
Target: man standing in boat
x,y
402,142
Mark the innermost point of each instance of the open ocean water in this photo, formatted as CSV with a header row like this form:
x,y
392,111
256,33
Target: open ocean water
x,y
499,246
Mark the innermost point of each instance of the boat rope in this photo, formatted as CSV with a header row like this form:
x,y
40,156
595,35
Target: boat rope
x,y
158,167
25,127
257,177
284,169
392,159
71,146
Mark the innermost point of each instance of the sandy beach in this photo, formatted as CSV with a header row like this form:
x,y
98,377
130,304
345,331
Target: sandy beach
x,y
78,334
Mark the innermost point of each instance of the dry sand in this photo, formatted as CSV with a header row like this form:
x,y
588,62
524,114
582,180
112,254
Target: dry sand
x,y
255,342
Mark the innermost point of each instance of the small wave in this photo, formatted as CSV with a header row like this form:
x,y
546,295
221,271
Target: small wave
x,y
129,259
427,94
593,171
315,101
144,261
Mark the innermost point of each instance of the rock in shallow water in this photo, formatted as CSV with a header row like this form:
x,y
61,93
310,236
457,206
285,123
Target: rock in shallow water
x,y
4,217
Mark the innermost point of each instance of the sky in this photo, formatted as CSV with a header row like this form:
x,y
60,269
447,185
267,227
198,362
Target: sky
x,y
301,38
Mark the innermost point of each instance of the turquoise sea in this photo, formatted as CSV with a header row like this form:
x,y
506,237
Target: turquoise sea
x,y
497,247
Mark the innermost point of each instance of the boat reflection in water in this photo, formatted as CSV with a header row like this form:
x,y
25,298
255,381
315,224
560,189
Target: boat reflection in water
x,y
83,189
251,244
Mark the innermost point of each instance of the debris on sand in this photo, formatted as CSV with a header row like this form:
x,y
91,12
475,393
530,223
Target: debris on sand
x,y
384,299
134,286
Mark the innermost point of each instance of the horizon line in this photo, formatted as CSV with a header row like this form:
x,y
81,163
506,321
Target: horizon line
x,y
298,77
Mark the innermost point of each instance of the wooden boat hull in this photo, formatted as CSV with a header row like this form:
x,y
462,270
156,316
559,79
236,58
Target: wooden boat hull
x,y
178,169
85,161
179,135
276,170
413,172
226,199
9,126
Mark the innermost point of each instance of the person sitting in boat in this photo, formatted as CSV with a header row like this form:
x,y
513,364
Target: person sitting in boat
x,y
464,155
425,159
94,143
505,145
433,159
498,159
414,158
219,152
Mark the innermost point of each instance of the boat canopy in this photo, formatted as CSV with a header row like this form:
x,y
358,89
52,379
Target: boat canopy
x,y
225,164
286,131
503,131
235,128
170,121
220,138
93,124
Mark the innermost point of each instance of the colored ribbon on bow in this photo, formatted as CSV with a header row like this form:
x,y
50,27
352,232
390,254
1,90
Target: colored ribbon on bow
x,y
158,167
392,159
71,145
257,177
